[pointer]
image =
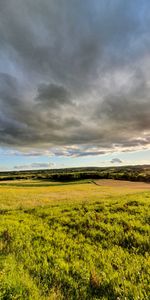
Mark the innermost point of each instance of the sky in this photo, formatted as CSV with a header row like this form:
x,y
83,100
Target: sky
x,y
74,83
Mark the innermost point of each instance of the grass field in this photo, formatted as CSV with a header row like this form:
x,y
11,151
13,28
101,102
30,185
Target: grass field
x,y
79,240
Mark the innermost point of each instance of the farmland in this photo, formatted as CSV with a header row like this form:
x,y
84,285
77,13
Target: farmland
x,y
85,239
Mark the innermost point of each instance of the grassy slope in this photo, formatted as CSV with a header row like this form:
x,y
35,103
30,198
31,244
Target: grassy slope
x,y
76,241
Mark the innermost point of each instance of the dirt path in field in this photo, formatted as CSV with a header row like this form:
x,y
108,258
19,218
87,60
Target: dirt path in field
x,y
121,184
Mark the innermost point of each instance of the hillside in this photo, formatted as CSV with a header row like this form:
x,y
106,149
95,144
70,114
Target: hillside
x,y
132,173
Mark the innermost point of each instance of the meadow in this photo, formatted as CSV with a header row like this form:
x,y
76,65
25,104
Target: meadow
x,y
87,239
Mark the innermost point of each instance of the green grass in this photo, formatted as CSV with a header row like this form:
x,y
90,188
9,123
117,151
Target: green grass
x,y
91,248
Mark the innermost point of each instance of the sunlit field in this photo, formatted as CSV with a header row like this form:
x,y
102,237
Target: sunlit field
x,y
29,193
78,240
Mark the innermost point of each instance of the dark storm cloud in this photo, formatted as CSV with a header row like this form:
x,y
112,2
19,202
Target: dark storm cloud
x,y
69,41
52,95
75,73
116,161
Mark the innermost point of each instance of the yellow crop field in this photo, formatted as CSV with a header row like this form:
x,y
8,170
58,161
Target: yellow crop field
x,y
21,194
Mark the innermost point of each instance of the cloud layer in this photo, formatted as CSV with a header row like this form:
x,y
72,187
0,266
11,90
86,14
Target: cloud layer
x,y
74,78
34,166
